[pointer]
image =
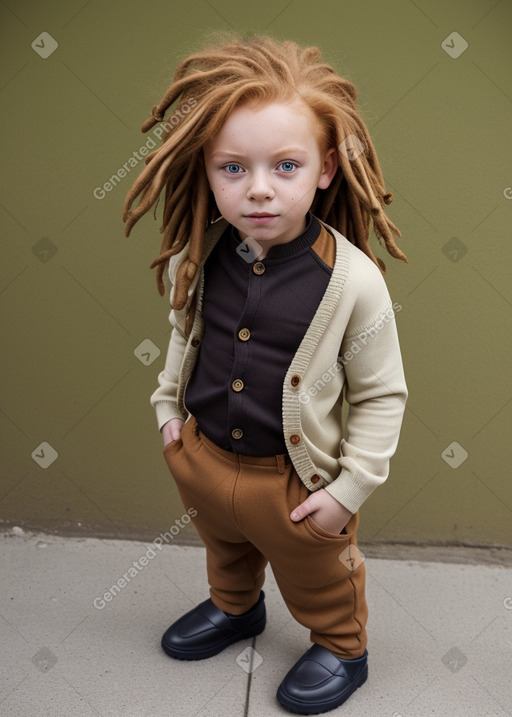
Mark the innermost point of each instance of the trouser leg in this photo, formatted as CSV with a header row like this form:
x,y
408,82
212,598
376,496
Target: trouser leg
x,y
206,482
321,575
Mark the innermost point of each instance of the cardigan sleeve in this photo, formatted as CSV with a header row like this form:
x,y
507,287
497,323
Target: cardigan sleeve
x,y
164,399
376,393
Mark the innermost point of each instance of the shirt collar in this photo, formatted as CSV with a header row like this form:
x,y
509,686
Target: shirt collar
x,y
282,251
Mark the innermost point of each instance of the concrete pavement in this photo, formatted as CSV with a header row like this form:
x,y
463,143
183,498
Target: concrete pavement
x,y
81,621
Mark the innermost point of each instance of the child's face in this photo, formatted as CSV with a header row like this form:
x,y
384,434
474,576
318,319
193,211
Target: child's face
x,y
266,161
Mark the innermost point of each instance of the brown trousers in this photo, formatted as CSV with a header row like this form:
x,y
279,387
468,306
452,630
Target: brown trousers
x,y
243,506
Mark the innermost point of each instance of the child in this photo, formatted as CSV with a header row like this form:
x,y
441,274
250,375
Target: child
x,y
279,310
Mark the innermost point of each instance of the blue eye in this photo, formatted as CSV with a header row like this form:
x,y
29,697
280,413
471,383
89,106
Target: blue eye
x,y
287,166
236,167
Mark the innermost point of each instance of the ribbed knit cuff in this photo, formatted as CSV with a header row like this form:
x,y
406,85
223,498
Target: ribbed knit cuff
x,y
165,411
347,491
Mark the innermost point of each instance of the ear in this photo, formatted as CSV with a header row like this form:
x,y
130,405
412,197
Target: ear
x,y
329,169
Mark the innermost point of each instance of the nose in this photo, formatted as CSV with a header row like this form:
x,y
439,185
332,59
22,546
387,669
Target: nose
x,y
260,186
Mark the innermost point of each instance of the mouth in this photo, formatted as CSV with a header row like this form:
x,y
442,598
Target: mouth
x,y
260,218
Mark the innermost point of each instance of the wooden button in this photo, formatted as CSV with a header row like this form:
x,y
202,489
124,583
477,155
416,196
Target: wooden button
x,y
237,433
315,478
237,384
244,334
294,438
195,341
258,267
295,380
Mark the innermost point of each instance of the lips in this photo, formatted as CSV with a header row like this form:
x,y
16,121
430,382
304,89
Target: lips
x,y
260,218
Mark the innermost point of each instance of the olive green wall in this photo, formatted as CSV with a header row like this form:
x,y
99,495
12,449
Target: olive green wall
x,y
84,332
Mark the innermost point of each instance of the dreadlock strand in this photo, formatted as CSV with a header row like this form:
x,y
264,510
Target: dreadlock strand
x,y
131,216
190,264
360,230
153,188
174,238
389,241
174,196
374,205
159,110
200,215
346,166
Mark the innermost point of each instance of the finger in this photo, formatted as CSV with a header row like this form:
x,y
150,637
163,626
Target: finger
x,y
301,511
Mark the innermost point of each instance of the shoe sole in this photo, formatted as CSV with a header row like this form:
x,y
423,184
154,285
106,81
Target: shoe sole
x,y
203,654
302,708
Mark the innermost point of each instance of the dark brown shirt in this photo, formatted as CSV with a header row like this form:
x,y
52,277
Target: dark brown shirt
x,y
256,314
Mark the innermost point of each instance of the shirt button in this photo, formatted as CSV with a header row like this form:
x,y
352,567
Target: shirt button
x,y
237,384
315,478
295,380
237,433
244,334
294,438
195,341
258,267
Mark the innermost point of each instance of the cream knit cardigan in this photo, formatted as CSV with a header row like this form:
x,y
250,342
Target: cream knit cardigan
x,y
351,349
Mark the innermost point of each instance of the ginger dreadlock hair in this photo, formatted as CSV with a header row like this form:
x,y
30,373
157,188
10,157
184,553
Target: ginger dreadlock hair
x,y
226,75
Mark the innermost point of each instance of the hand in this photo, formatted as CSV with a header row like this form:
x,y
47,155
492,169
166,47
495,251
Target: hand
x,y
324,510
171,430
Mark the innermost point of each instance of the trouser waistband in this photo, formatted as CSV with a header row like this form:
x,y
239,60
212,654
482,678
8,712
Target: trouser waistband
x,y
279,460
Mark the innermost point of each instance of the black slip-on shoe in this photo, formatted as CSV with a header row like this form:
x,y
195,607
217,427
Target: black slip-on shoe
x,y
320,681
205,630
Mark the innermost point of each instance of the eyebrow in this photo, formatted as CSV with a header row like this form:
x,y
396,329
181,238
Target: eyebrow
x,y
285,151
